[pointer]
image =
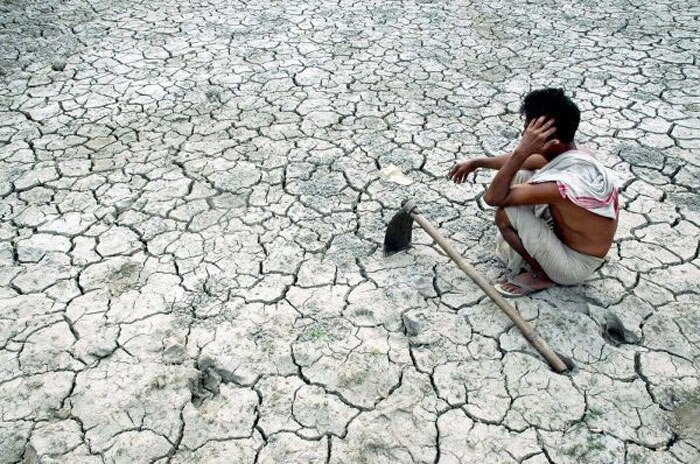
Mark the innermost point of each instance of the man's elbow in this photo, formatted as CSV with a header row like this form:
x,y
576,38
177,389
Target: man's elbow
x,y
491,201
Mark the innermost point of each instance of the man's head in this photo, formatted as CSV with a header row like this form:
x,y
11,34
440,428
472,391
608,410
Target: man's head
x,y
552,103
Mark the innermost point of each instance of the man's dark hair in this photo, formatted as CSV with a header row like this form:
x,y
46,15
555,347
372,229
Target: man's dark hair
x,y
553,103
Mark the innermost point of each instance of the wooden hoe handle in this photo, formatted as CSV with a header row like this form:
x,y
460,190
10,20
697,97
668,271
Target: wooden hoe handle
x,y
528,331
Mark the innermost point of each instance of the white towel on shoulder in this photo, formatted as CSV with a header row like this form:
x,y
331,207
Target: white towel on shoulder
x,y
584,181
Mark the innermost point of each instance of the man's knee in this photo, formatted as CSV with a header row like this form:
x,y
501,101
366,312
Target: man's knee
x,y
520,177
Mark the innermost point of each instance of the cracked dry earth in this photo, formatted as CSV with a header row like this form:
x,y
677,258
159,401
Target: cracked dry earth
x,y
191,224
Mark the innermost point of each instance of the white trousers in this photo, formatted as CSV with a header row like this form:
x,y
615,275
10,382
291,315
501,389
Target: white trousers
x,y
562,264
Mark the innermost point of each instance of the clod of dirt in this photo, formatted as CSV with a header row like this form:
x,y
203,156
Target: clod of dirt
x,y
58,65
412,325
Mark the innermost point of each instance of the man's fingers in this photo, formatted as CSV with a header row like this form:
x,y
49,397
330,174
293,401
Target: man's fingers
x,y
549,132
543,122
548,123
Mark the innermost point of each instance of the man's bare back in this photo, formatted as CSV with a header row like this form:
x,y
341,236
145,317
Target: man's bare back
x,y
581,230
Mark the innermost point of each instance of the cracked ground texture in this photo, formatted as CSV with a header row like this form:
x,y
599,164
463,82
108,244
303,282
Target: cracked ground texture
x,y
191,224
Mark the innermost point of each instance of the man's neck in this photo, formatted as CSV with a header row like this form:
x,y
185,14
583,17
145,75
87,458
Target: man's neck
x,y
563,148
568,147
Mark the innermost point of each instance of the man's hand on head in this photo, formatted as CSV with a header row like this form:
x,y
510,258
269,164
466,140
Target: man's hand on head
x,y
536,138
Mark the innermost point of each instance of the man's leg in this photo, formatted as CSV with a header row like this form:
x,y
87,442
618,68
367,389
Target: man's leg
x,y
537,278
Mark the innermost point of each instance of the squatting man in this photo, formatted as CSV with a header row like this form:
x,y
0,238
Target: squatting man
x,y
557,206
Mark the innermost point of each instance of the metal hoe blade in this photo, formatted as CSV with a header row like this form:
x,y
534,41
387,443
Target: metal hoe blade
x,y
399,231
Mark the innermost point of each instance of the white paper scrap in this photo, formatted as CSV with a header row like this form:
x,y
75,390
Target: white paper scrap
x,y
394,174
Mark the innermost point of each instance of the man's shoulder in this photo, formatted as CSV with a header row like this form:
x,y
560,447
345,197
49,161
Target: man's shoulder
x,y
573,159
579,152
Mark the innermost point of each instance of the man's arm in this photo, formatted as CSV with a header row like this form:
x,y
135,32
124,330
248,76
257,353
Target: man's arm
x,y
500,186
546,193
534,140
460,171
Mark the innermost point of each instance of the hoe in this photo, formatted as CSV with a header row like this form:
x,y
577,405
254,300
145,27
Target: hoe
x,y
398,237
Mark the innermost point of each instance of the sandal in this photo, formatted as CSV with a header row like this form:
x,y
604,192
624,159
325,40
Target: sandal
x,y
526,289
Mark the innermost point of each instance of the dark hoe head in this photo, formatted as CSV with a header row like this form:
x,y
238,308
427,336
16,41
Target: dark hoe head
x,y
399,230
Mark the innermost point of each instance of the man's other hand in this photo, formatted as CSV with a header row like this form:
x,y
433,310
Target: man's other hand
x,y
459,173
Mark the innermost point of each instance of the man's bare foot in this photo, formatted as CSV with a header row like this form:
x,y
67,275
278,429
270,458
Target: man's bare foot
x,y
524,284
503,277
